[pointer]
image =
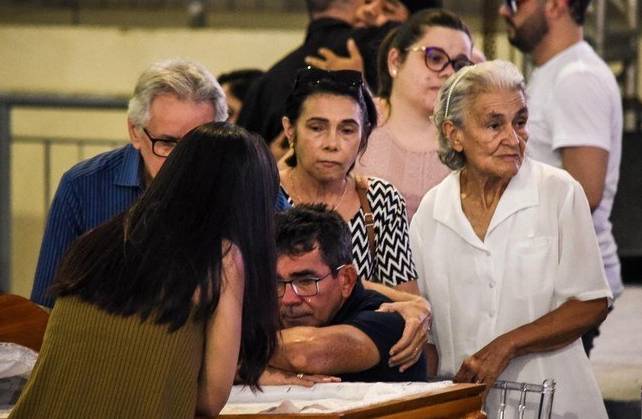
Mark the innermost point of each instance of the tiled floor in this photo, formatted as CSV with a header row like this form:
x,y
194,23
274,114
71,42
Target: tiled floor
x,y
617,356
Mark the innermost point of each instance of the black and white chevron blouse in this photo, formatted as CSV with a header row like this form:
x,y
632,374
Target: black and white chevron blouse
x,y
394,263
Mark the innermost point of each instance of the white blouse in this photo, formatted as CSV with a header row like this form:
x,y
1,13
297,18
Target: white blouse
x,y
539,251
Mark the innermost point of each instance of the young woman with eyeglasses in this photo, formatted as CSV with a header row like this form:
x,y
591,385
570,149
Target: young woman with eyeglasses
x,y
414,62
329,116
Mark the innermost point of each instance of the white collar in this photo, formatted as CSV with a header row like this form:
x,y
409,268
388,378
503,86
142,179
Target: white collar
x,y
522,192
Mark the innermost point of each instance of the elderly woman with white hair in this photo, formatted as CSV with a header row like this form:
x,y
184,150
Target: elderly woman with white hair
x,y
505,250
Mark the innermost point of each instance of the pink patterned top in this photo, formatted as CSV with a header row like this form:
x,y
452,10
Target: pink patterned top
x,y
412,172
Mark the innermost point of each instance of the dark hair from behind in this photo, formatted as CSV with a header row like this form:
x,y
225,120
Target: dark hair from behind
x,y
311,81
318,6
302,228
240,81
217,187
406,35
577,9
415,6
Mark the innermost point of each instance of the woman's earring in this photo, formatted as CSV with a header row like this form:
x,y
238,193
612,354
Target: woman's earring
x,y
291,143
456,145
393,72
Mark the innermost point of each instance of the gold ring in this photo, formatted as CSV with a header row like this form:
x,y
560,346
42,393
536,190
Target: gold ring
x,y
299,375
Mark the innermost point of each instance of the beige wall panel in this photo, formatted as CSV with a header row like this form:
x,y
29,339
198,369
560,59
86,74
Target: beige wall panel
x,y
27,205
70,124
103,60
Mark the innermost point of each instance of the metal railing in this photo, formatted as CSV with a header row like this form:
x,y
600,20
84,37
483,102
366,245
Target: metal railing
x,y
48,144
546,392
8,102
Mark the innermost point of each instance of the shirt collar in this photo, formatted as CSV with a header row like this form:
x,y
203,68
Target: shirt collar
x,y
129,173
347,307
522,192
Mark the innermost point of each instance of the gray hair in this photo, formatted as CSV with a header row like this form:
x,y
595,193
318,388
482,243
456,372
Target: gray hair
x,y
187,80
459,92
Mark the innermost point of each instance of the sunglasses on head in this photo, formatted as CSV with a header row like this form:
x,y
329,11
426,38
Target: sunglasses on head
x,y
310,76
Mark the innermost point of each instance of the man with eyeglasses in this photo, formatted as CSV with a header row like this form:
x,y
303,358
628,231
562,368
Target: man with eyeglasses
x,y
331,324
575,110
170,98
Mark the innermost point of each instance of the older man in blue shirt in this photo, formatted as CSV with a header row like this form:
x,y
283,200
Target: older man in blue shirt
x,y
170,98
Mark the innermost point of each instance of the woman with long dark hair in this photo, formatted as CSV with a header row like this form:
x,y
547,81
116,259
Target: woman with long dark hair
x,y
156,307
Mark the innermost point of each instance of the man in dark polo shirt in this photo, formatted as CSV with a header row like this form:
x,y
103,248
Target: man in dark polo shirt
x,y
331,326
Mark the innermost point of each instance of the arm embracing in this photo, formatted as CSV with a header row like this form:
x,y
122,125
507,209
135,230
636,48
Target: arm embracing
x,y
334,349
417,316
223,338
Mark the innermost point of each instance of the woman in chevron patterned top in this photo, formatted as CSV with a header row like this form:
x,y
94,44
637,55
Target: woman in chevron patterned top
x,y
329,116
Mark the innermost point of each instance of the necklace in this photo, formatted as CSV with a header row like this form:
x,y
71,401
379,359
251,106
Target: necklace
x,y
296,196
345,188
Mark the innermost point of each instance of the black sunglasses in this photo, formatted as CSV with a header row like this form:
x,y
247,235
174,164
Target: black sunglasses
x,y
310,76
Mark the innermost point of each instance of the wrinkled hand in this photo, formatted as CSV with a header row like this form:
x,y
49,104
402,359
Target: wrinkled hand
x,y
274,377
486,365
334,62
418,316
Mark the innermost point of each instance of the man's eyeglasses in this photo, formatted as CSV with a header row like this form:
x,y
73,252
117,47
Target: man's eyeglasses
x,y
437,59
304,286
512,6
161,146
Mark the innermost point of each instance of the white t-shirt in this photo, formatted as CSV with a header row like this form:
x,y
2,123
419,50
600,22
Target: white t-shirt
x,y
574,100
540,250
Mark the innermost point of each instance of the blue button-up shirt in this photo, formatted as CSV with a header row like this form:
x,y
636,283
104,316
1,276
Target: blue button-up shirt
x,y
90,193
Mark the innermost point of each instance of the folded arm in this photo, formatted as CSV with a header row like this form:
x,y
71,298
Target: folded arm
x,y
330,350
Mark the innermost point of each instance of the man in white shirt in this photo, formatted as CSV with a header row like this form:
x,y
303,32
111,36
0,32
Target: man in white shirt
x,y
575,110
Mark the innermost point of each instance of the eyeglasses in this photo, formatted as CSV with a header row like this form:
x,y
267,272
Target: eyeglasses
x,y
310,76
437,59
304,286
161,146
